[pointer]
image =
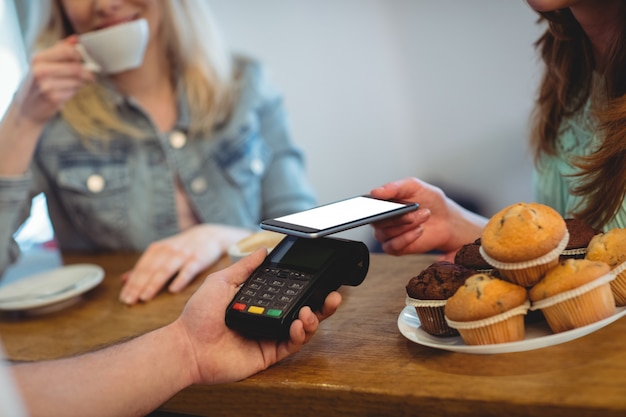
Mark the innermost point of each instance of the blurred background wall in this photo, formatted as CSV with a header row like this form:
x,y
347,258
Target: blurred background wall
x,y
12,58
380,90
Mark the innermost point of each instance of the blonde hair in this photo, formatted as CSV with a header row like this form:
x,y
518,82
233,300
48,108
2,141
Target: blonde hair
x,y
193,45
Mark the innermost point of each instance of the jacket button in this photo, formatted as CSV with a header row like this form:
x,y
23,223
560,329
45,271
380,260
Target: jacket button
x,y
198,185
257,166
178,139
95,183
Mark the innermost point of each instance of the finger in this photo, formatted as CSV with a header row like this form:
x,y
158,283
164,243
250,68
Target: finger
x,y
125,275
405,219
56,99
297,337
303,328
58,92
330,306
381,192
238,272
62,51
401,189
47,83
389,190
189,270
293,344
388,230
62,70
72,40
389,233
157,278
404,243
310,322
155,265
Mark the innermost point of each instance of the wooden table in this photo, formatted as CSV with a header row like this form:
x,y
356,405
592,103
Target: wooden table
x,y
357,364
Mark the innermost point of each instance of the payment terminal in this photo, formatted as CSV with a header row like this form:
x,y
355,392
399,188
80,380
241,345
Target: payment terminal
x,y
297,272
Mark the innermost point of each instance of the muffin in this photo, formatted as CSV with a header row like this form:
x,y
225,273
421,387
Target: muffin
x,y
428,292
574,293
469,256
523,241
580,234
610,247
488,310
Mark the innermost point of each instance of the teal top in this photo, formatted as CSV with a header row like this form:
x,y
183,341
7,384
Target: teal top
x,y
552,181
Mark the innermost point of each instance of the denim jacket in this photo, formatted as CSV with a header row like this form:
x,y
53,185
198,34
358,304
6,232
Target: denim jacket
x,y
121,195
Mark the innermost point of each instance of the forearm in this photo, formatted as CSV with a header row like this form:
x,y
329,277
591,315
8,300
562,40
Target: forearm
x,y
18,140
14,210
466,225
129,379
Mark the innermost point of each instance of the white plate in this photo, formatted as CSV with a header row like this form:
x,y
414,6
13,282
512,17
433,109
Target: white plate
x,y
537,335
50,287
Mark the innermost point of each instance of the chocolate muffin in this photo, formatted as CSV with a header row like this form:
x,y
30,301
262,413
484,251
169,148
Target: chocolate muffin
x,y
580,234
469,256
438,282
428,292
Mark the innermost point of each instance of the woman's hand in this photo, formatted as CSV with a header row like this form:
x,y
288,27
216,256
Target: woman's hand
x,y
56,74
177,259
223,355
439,223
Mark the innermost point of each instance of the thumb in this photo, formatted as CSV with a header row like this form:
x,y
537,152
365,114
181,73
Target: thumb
x,y
238,272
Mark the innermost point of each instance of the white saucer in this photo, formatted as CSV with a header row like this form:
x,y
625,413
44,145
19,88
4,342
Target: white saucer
x,y
50,287
537,335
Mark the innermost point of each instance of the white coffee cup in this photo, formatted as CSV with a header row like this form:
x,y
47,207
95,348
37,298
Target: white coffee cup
x,y
115,48
263,239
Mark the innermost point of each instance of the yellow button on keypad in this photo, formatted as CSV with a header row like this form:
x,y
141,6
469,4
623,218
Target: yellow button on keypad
x,y
256,310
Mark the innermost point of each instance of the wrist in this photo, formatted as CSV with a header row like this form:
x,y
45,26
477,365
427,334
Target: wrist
x,y
179,354
20,119
185,352
466,225
18,138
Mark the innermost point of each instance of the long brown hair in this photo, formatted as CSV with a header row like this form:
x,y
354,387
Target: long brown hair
x,y
565,88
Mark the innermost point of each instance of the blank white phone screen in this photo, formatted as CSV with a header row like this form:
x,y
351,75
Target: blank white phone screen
x,y
341,212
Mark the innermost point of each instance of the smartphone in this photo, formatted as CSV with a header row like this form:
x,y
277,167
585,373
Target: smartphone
x,y
338,216
298,272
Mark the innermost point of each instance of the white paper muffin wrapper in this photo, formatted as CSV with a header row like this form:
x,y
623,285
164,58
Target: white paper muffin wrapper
x,y
566,295
619,269
519,310
618,286
414,302
574,252
548,257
